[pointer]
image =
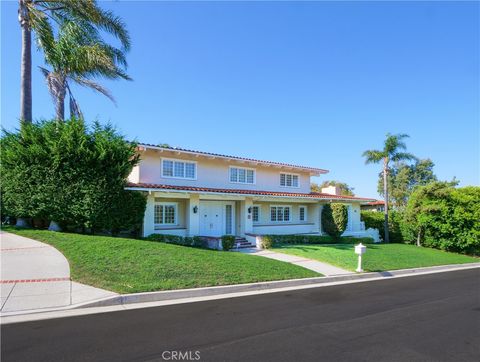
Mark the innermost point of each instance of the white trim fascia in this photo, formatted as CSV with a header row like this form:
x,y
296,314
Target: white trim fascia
x,y
153,189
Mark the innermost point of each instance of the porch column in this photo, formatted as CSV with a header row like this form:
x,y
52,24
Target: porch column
x,y
193,219
247,216
148,219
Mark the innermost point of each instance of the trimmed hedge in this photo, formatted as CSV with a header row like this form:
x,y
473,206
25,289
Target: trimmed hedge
x,y
194,241
268,241
334,219
375,220
228,241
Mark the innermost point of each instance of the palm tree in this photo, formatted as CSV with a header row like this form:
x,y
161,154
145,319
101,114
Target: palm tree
x,y
36,15
78,55
392,148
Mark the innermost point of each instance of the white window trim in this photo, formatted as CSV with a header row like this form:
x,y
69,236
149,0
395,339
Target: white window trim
x,y
289,173
305,213
245,168
178,160
259,213
289,214
167,204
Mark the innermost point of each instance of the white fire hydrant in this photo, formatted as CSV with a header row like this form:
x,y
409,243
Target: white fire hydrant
x,y
360,249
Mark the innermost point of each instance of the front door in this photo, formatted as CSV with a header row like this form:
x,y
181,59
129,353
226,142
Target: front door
x,y
216,218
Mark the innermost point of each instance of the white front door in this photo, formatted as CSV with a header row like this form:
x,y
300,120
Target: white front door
x,y
216,218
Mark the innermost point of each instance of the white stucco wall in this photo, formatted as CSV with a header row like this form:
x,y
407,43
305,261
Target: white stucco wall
x,y
214,173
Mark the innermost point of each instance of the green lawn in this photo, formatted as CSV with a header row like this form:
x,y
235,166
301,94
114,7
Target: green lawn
x,y
130,265
379,257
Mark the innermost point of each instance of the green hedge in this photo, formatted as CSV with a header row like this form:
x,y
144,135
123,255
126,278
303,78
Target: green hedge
x,y
194,241
269,241
228,242
375,220
334,219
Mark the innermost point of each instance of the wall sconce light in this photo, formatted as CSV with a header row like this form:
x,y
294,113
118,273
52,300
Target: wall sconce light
x,y
195,209
250,210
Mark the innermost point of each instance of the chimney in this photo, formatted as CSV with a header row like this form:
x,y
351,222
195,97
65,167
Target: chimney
x,y
331,190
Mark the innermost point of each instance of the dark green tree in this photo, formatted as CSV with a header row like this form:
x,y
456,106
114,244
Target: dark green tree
x,y
334,219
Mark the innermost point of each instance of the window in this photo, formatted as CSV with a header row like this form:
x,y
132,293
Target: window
x,y
302,211
228,219
165,213
179,169
279,213
242,175
288,180
255,213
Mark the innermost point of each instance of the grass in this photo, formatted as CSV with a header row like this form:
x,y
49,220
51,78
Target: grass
x,y
378,257
131,265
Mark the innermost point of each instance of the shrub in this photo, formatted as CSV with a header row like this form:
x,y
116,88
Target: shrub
x,y
228,241
441,216
198,242
375,220
66,172
267,241
334,219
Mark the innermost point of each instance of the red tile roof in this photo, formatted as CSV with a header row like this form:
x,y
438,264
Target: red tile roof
x,y
312,169
377,202
313,195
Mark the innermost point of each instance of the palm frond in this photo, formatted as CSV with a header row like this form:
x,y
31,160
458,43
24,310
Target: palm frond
x,y
373,156
95,86
403,156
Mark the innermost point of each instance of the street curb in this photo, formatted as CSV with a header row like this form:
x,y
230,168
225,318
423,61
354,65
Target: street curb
x,y
261,286
135,300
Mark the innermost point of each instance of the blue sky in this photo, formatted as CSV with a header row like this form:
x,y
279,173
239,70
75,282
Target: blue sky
x,y
312,83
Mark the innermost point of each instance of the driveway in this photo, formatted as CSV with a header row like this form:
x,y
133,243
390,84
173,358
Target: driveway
x,y
35,275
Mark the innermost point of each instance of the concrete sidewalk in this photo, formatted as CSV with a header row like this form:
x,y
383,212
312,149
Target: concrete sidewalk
x,y
315,265
35,275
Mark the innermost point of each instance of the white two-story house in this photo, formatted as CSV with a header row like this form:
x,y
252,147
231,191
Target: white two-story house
x,y
199,193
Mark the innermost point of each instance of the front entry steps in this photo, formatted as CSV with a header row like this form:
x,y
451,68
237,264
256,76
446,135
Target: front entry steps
x,y
242,243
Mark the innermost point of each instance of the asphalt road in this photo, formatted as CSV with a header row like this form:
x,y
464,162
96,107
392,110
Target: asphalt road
x,y
424,318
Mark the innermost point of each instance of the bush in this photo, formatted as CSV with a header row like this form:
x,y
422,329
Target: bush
x,y
441,216
66,172
195,241
375,220
269,240
228,241
198,242
334,219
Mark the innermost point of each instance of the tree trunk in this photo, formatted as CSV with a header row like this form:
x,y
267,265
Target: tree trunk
x,y
22,222
26,65
385,192
419,236
54,226
60,103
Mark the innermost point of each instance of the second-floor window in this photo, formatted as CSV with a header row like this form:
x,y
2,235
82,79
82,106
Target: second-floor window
x,y
242,175
179,169
288,180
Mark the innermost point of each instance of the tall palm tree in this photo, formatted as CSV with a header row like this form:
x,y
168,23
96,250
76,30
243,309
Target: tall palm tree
x,y
36,15
78,55
392,151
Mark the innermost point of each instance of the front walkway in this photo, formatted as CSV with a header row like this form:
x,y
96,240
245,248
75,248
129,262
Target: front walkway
x,y
35,275
315,265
